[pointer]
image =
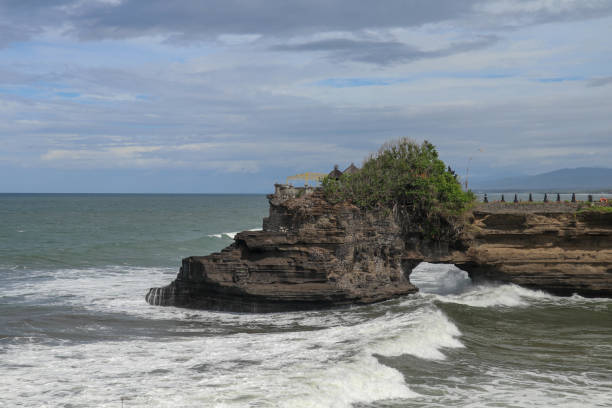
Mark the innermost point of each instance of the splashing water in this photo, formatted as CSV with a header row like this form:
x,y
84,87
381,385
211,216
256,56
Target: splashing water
x,y
75,329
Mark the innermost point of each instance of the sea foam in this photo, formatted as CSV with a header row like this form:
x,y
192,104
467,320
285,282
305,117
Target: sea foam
x,y
194,358
230,235
449,284
301,359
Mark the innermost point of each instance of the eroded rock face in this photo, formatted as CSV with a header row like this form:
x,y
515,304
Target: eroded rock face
x,y
312,254
553,249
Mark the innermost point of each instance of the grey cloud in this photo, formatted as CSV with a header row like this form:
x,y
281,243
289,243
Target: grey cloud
x,y
182,112
194,20
383,52
188,20
519,13
600,81
21,20
10,34
273,17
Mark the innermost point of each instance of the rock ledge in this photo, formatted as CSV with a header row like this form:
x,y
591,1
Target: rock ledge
x,y
312,254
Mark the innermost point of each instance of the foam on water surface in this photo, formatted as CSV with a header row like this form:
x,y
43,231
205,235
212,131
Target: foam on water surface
x,y
508,295
449,284
319,358
230,235
193,358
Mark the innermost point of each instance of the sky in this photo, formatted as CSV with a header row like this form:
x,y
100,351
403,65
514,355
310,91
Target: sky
x,y
231,96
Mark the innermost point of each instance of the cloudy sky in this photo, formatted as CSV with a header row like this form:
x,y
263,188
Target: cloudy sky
x,y
233,95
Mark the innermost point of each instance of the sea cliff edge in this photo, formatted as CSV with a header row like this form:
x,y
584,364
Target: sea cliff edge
x,y
312,254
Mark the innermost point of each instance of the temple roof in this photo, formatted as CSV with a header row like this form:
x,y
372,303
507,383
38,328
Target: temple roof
x,y
352,169
335,173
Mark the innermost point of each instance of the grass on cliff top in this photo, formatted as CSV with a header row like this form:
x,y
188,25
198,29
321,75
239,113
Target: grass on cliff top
x,y
598,209
409,179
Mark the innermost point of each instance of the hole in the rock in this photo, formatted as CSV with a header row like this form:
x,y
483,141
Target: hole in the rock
x,y
441,279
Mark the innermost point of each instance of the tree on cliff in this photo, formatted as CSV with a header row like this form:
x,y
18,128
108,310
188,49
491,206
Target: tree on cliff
x,y
409,179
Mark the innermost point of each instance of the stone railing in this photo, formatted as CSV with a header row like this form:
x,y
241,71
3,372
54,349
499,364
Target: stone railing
x,y
545,198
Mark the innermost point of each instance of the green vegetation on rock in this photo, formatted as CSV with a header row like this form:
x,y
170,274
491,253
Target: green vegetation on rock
x,y
410,180
596,208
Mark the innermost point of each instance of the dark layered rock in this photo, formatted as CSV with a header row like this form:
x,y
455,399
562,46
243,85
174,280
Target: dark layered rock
x,y
556,249
312,254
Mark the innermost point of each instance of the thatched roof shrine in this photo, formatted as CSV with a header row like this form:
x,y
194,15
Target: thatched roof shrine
x,y
352,169
335,173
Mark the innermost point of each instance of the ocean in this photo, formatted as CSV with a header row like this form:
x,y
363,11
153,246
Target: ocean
x,y
75,330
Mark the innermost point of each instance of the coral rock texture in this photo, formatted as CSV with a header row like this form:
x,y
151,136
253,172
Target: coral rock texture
x,y
555,249
313,254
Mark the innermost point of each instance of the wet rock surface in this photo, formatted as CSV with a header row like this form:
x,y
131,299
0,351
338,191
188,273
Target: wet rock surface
x,y
312,254
561,252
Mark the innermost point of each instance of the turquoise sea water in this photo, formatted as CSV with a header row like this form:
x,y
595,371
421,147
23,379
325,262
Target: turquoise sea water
x,y
75,330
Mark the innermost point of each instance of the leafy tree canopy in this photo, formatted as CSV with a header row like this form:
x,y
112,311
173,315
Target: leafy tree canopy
x,y
409,179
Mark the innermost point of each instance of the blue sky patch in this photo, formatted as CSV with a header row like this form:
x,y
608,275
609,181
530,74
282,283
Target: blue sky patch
x,y
68,94
356,82
560,79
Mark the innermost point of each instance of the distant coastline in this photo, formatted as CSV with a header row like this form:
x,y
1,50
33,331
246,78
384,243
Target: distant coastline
x,y
543,190
583,180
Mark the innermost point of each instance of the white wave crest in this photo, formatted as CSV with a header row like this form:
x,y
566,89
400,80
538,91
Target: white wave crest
x,y
364,380
509,295
230,235
441,279
449,284
426,336
309,359
115,289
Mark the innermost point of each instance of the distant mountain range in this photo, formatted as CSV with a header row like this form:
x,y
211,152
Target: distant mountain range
x,y
582,179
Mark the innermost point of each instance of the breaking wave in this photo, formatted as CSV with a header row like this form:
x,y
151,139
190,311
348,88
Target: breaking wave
x,y
102,342
127,348
230,235
449,284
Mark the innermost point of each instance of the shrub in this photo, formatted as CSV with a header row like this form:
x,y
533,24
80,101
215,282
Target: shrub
x,y
598,209
408,179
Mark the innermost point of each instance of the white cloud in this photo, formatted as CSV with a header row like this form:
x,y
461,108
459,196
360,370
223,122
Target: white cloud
x,y
231,157
238,39
504,7
125,156
137,157
228,104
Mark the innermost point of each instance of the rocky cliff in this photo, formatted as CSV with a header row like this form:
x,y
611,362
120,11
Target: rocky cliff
x,y
313,254
552,247
310,254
